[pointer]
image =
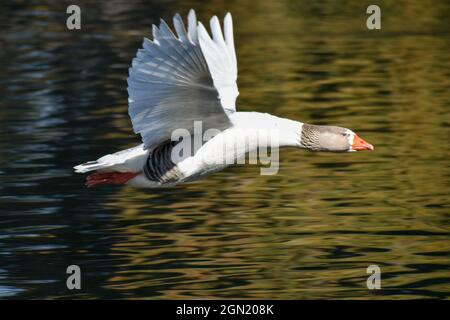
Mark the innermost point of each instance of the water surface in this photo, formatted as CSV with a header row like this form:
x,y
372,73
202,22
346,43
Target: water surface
x,y
309,232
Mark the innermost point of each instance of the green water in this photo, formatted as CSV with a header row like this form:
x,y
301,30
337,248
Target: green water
x,y
309,232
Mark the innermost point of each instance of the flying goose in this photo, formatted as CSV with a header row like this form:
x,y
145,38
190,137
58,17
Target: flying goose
x,y
188,81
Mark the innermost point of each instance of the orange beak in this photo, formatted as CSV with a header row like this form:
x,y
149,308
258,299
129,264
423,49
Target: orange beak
x,y
359,144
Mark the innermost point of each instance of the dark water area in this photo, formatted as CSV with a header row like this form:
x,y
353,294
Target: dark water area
x,y
308,232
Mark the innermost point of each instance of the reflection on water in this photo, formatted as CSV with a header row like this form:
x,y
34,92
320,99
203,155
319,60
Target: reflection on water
x,y
308,232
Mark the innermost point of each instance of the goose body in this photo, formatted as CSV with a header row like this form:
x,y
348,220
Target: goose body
x,y
186,84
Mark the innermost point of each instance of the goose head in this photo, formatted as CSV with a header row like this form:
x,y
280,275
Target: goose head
x,y
332,139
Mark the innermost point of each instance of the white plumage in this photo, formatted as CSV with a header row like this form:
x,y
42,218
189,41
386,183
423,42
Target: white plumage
x,y
178,80
132,159
175,81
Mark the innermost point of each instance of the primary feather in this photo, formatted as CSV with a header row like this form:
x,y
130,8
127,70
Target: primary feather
x,y
176,80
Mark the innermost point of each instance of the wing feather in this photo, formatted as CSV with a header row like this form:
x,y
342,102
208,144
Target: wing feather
x,y
220,57
178,79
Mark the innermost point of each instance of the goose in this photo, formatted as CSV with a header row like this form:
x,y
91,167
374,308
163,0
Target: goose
x,y
187,82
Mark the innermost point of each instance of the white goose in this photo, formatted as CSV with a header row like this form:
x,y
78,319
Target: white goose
x,y
177,81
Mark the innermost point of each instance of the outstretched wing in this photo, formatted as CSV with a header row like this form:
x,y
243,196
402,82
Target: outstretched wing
x,y
177,80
